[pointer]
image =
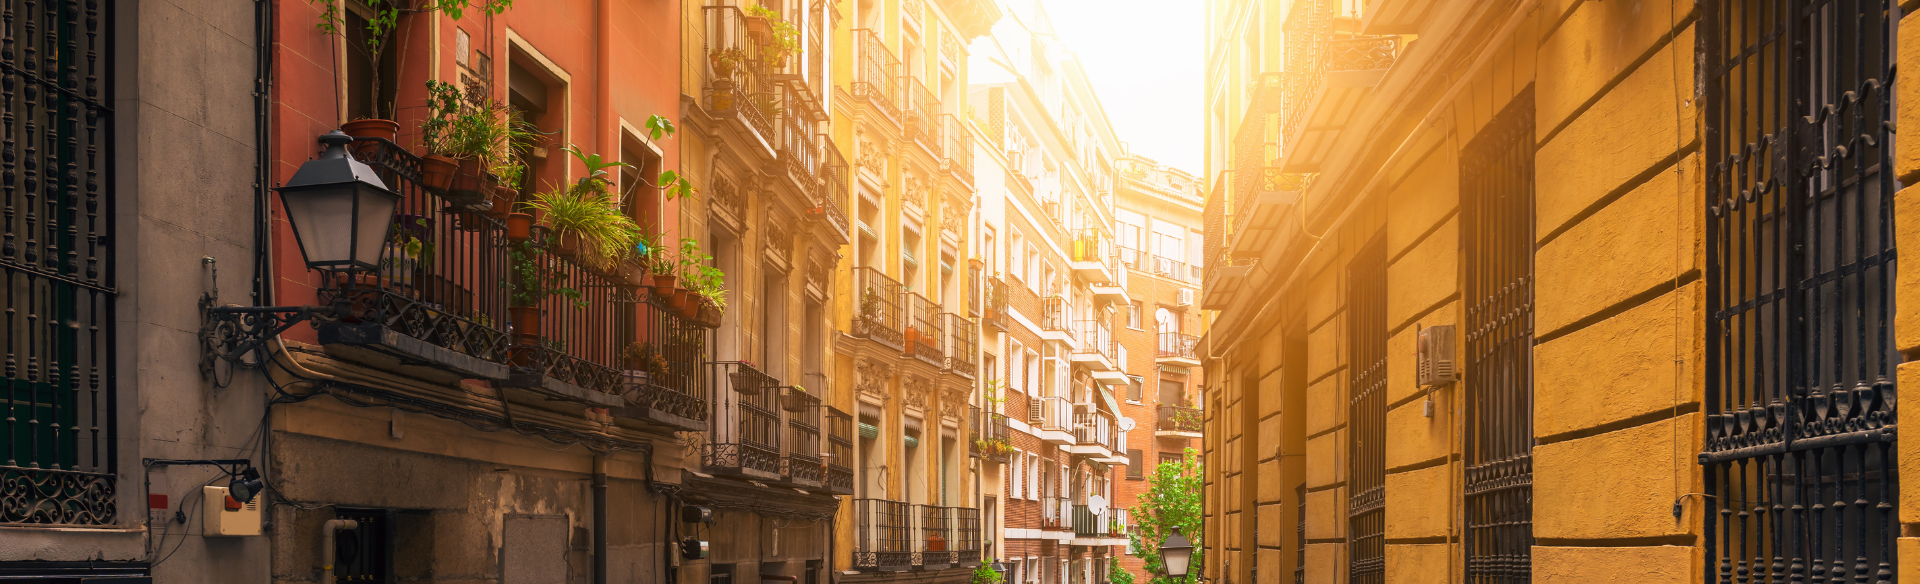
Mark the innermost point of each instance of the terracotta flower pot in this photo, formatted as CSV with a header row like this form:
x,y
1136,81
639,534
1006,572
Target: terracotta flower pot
x,y
503,199
633,275
519,227
526,324
707,315
567,245
388,130
758,28
471,185
663,286
436,172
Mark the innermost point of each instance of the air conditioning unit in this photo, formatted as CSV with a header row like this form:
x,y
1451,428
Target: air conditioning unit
x,y
1435,362
224,516
1185,297
1033,411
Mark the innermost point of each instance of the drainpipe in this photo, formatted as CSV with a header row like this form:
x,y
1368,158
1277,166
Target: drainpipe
x,y
599,519
326,545
603,67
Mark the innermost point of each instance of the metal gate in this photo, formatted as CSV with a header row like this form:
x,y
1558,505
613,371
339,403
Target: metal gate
x,y
1367,414
55,172
1496,188
1799,405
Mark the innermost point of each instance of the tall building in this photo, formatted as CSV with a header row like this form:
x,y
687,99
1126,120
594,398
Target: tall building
x,y
1517,291
906,344
1157,233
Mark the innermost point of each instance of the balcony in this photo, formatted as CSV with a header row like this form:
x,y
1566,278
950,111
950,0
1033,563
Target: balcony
x,y
967,537
1167,267
876,74
738,88
1176,349
1093,432
1261,211
795,141
1056,513
745,440
1092,256
671,390
959,149
1054,323
1051,418
1329,82
1179,422
441,314
1114,292
839,478
925,332
879,319
882,538
992,435
1101,528
802,465
936,537
921,116
834,185
995,313
1095,349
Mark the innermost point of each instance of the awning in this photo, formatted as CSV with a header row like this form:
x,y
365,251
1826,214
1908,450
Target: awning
x,y
1106,400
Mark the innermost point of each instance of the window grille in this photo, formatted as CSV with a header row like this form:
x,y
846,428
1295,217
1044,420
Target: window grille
x,y
58,262
1800,265
1496,188
1367,416
1300,534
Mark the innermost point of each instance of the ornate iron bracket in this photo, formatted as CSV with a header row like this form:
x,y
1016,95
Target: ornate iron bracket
x,y
232,333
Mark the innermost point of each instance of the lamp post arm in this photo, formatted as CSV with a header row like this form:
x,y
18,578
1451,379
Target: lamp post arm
x,y
231,333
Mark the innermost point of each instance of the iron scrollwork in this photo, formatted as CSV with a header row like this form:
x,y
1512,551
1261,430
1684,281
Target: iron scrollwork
x,y
232,333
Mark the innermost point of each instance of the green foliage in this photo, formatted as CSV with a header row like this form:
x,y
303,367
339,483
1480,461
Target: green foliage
x,y
606,234
468,125
984,574
659,127
531,282
1172,500
785,39
1117,575
386,18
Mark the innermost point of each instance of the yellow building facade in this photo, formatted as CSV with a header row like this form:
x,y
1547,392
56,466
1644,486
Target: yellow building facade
x,y
1555,291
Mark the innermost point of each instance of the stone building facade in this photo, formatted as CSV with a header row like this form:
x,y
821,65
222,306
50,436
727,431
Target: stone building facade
x,y
1664,276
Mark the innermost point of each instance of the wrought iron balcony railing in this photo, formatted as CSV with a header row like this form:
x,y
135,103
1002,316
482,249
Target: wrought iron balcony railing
x,y
574,336
1053,315
959,150
746,422
995,310
992,436
882,539
1088,524
921,111
936,536
962,341
795,140
880,317
737,83
876,75
925,330
1174,418
835,186
1092,244
967,540
1175,345
839,479
802,462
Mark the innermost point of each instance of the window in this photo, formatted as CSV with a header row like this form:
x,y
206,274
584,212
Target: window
x,y
1136,460
62,444
1032,275
1496,188
1133,315
1017,367
1171,457
1017,252
1173,392
1135,387
1799,284
1014,480
370,82
1367,411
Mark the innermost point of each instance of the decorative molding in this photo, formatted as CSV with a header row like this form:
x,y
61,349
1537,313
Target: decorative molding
x,y
871,155
917,388
952,400
913,192
726,194
870,377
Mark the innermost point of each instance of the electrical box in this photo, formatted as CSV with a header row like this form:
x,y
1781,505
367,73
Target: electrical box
x,y
224,516
1435,360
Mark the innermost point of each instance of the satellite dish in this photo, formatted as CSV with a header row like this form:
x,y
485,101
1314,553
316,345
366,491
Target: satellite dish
x,y
1097,504
1126,424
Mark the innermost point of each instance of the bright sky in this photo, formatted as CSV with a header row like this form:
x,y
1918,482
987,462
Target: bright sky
x,y
1146,59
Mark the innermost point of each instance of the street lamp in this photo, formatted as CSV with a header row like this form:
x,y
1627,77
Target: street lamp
x,y
1176,552
341,214
340,211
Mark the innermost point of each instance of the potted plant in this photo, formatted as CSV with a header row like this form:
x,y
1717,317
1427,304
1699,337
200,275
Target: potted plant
x,y
641,356
528,286
385,19
778,38
475,135
710,291
743,382
410,249
665,268
725,62
796,399
588,226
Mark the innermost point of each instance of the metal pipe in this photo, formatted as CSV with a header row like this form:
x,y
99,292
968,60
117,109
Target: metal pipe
x,y
599,519
326,545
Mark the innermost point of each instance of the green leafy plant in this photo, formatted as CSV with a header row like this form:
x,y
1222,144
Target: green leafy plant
x,y
386,18
710,283
984,574
465,124
1117,575
1172,500
649,359
691,259
673,185
991,393
530,281
585,210
785,38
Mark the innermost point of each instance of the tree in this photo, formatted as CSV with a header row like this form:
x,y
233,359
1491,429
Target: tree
x,y
1172,500
1116,575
